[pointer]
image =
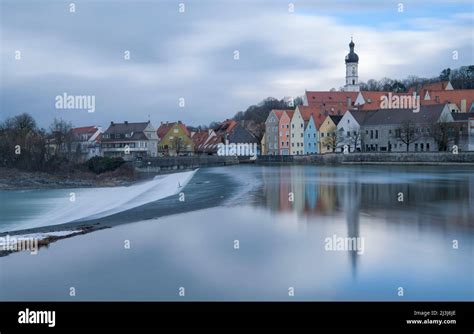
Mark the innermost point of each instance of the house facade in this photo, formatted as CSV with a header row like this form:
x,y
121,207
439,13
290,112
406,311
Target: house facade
x,y
174,139
402,130
297,133
349,129
329,138
130,141
284,132
310,136
272,137
86,142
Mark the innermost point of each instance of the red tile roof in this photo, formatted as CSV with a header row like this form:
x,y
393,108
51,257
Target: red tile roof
x,y
85,129
450,96
199,138
328,97
165,127
372,99
279,112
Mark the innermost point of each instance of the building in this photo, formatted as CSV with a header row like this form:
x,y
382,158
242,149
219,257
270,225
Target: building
x,y
459,100
461,131
174,139
309,116
352,75
130,141
277,132
330,100
271,132
297,133
86,142
371,100
329,138
349,129
234,133
402,130
229,131
284,132
263,146
201,139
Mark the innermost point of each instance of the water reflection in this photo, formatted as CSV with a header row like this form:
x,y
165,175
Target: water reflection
x,y
426,197
394,194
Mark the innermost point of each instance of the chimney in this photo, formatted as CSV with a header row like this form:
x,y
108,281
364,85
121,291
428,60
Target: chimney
x,y
112,123
126,122
179,122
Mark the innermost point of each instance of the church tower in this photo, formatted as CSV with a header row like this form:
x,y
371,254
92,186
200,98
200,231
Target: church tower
x,y
352,75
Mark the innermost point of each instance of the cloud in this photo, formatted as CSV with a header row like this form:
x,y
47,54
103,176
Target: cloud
x,y
190,55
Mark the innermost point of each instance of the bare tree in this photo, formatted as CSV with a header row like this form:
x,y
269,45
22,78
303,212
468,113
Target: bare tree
x,y
61,133
177,145
407,133
355,140
334,139
443,132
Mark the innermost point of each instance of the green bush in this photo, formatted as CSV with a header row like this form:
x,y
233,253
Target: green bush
x,y
100,165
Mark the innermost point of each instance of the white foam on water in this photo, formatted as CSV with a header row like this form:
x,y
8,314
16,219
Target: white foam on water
x,y
92,203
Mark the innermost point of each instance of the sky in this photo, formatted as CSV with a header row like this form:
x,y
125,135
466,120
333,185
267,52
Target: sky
x,y
190,56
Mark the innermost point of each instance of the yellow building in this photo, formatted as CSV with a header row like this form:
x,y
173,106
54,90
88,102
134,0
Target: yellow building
x,y
174,139
329,139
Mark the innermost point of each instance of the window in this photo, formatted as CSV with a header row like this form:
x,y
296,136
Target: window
x,y
302,135
117,135
175,130
287,126
322,134
416,147
348,133
292,126
371,134
427,146
421,146
292,144
301,125
376,134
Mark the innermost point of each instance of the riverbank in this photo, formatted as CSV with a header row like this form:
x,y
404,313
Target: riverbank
x,y
11,179
374,158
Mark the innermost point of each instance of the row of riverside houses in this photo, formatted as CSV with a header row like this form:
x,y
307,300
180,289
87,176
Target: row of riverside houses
x,y
135,141
330,121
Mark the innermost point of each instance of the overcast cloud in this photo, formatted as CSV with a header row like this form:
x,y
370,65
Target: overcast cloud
x,y
191,54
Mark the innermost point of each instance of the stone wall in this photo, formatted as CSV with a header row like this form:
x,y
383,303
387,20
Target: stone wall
x,y
163,164
432,158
